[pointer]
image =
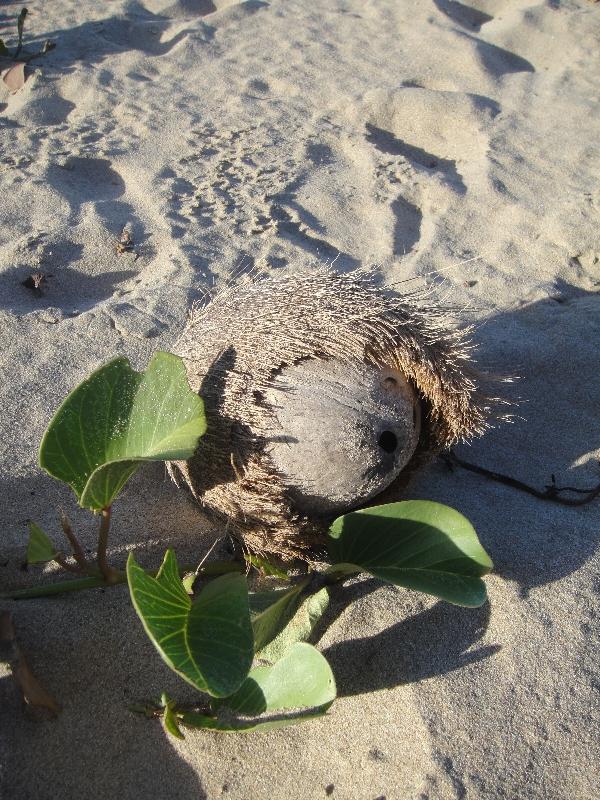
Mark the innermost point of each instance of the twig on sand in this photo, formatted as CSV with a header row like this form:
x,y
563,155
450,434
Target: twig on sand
x,y
78,552
551,492
32,690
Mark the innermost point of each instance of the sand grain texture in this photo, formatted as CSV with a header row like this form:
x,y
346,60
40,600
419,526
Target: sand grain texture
x,y
452,144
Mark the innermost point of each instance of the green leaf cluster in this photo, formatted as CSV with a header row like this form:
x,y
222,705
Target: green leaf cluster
x,y
417,544
210,642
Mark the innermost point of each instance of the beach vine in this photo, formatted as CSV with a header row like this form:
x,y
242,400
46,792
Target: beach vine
x,y
14,61
245,649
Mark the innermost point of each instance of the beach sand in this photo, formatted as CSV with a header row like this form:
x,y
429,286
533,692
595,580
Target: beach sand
x,y
450,146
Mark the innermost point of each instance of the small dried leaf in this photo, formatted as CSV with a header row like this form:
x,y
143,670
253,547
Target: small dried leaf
x,y
36,282
125,242
14,78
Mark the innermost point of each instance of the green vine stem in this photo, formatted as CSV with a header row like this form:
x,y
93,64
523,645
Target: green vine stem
x,y
109,574
117,577
78,552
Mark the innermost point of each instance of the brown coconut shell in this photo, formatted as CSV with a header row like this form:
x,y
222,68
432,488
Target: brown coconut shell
x,y
235,347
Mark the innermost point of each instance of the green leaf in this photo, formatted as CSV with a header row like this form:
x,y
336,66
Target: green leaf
x,y
40,548
272,619
116,420
209,642
188,581
170,721
418,544
298,628
302,679
266,567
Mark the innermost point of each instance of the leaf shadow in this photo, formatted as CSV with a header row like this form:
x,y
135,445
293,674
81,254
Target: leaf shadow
x,y
432,642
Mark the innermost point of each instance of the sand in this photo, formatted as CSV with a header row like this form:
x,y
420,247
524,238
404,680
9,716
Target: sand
x,y
449,146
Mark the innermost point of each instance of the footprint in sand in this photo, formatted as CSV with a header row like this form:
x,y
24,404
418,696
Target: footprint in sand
x,y
430,148
246,182
444,133
331,215
83,269
90,184
38,104
386,142
66,291
496,60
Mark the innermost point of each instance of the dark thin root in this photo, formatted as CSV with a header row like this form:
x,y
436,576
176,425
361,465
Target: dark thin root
x,y
552,492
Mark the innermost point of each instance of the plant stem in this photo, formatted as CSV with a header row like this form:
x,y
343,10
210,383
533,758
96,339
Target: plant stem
x,y
32,690
315,581
78,553
20,26
60,559
218,568
61,587
107,571
117,577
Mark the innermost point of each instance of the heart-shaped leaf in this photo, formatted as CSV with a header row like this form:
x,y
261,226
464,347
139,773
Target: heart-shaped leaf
x,y
40,548
301,680
115,421
208,642
418,544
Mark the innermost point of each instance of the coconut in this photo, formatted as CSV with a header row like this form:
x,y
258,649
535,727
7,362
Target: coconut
x,y
320,391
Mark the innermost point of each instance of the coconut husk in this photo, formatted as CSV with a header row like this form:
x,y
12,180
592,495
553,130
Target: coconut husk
x,y
236,345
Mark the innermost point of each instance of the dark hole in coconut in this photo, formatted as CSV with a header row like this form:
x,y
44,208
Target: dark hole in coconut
x,y
388,441
389,383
